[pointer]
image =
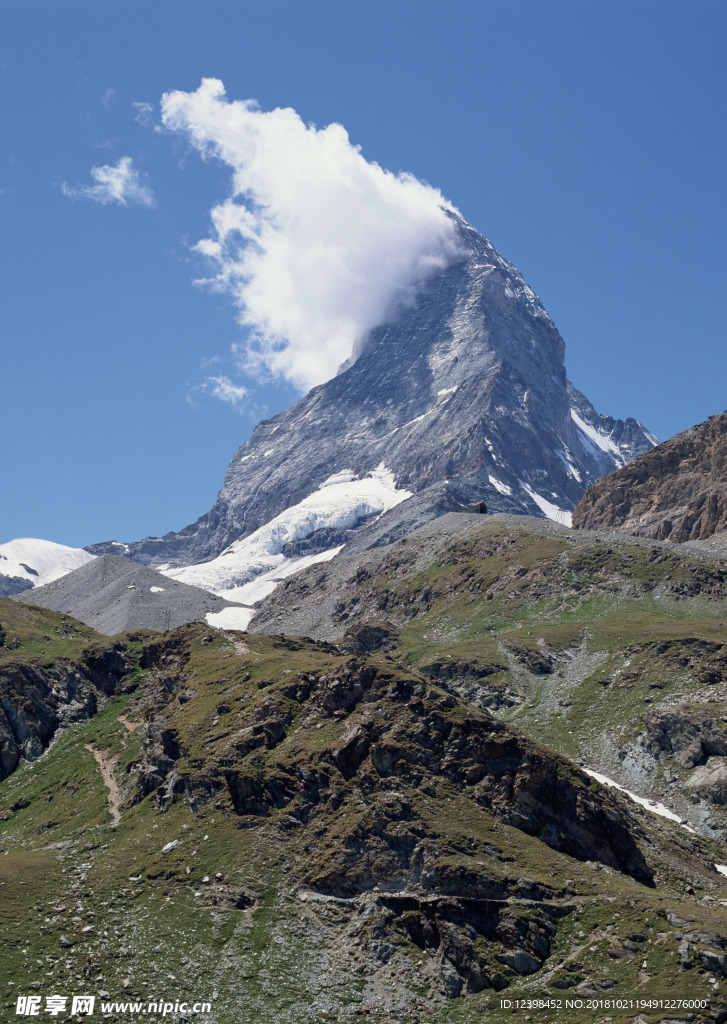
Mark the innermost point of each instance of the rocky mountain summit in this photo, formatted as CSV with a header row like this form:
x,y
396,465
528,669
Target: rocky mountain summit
x,y
677,491
462,397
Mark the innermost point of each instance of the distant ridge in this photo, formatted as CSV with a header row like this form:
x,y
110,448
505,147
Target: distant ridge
x,y
113,594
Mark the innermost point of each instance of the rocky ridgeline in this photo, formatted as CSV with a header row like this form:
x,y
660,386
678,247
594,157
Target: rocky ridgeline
x,y
677,491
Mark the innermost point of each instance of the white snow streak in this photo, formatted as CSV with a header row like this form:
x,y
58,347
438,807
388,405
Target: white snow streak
x,y
565,459
558,515
655,808
499,485
601,440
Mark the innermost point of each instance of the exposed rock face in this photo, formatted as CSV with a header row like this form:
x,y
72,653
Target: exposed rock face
x,y
394,730
710,781
676,492
464,398
692,737
13,585
36,701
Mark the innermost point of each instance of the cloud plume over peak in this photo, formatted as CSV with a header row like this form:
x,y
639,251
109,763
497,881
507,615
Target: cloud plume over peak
x,y
315,244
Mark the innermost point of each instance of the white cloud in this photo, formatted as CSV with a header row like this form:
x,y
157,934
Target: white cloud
x,y
220,387
108,97
315,244
223,388
144,114
120,183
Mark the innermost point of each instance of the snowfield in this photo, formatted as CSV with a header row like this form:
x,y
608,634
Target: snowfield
x,y
251,568
40,561
230,618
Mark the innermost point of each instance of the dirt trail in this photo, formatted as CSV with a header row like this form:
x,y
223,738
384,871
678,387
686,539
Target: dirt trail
x,y
239,645
106,764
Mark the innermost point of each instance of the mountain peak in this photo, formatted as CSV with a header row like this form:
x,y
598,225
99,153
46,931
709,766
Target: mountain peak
x,y
461,395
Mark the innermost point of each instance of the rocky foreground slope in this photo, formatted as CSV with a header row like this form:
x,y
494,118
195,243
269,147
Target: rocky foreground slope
x,y
610,649
300,832
676,492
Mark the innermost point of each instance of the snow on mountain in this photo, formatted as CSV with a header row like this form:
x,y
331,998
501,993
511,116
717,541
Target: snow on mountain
x,y
551,511
650,805
28,562
591,435
251,568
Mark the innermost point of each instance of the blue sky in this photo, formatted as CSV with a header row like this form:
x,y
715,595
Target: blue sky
x,y
586,140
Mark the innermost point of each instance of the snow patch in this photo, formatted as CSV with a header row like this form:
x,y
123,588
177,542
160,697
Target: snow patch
x,y
499,485
40,561
340,502
655,808
259,588
558,515
230,618
722,868
156,590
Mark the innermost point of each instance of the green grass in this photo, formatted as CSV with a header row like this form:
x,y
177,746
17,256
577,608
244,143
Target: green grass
x,y
250,936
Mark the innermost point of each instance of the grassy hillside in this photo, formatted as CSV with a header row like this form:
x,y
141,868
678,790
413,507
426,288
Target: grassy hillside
x,y
352,840
609,649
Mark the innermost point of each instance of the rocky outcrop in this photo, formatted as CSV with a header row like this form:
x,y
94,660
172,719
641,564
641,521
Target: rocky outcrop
x,y
710,781
390,729
677,491
10,585
369,637
690,736
36,701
